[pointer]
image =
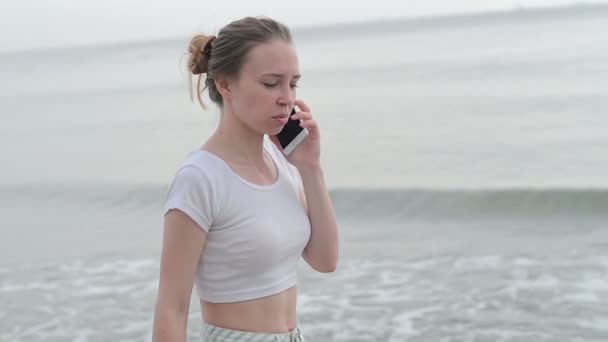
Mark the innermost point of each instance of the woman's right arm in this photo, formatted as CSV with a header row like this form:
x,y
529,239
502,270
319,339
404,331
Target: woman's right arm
x,y
183,243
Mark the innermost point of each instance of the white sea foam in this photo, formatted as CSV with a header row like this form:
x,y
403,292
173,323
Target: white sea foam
x,y
366,299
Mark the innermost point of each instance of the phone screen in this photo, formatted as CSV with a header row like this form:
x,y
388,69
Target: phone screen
x,y
290,131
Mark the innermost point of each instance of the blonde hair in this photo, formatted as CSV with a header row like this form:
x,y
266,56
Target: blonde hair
x,y
225,54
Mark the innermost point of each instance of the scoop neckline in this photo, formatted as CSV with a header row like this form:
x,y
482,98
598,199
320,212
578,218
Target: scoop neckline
x,y
243,180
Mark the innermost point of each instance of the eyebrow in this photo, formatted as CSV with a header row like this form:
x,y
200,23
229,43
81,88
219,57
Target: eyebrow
x,y
281,75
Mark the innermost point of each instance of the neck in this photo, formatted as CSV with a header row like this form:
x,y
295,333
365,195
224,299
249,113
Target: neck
x,y
239,141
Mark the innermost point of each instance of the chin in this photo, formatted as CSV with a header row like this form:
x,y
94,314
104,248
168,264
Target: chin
x,y
274,130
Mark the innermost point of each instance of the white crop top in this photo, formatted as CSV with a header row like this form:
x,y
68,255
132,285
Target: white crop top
x,y
255,233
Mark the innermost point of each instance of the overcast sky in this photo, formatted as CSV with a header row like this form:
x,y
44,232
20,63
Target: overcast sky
x,y
34,24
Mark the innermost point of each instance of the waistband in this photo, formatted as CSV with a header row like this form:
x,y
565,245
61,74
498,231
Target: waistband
x,y
212,333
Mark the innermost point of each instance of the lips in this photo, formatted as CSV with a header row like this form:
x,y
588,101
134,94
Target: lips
x,y
281,118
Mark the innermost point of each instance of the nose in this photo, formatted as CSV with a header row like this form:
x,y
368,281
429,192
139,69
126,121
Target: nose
x,y
287,97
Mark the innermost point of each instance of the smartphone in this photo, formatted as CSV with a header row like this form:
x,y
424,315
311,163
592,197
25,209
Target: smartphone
x,y
292,134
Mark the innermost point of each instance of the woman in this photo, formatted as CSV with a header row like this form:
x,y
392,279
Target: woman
x,y
239,212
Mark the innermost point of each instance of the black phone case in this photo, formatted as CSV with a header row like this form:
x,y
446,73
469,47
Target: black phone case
x,y
290,131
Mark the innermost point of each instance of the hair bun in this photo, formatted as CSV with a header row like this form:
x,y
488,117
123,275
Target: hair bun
x,y
199,49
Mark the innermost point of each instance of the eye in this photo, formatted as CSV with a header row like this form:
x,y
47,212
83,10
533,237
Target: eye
x,y
270,85
294,85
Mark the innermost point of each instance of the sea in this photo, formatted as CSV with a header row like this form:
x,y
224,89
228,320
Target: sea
x,y
466,157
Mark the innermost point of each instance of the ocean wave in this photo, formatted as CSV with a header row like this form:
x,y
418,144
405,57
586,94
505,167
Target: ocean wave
x,y
482,203
401,204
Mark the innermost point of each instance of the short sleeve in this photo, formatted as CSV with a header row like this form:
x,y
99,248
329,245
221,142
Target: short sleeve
x,y
191,192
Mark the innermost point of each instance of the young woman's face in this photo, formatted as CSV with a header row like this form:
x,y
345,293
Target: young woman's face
x,y
264,93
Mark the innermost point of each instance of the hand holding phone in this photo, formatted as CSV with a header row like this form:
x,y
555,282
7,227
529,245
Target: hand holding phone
x,y
292,134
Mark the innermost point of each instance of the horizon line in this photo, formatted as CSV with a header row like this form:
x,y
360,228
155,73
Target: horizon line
x,y
296,29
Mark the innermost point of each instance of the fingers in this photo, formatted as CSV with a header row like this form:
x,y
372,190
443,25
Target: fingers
x,y
303,106
304,115
301,116
308,124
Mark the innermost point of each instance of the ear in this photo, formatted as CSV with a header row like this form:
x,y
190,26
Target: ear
x,y
223,86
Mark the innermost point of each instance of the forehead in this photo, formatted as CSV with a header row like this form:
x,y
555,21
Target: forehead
x,y
276,57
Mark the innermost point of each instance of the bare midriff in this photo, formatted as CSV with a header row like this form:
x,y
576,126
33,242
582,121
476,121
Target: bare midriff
x,y
275,314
